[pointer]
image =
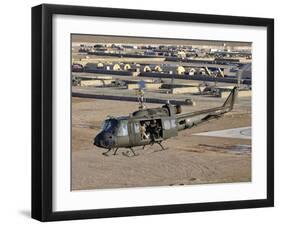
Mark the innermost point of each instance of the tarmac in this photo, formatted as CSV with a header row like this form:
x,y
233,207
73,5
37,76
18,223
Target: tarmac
x,y
239,133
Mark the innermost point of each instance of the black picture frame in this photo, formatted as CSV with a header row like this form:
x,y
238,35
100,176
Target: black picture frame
x,y
42,112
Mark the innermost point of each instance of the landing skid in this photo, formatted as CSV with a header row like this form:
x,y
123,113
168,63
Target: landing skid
x,y
115,152
106,153
127,153
161,146
132,150
159,143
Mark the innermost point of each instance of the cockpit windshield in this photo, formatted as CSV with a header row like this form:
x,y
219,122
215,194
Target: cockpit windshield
x,y
110,125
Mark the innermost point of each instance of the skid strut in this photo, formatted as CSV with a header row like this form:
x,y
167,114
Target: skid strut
x,y
115,151
161,145
105,153
133,151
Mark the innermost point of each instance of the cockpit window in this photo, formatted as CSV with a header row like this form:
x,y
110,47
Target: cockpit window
x,y
109,125
123,128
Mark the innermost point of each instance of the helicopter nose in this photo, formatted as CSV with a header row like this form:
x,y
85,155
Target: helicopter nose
x,y
104,140
96,141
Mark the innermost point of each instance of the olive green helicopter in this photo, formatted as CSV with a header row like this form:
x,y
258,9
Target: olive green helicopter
x,y
149,126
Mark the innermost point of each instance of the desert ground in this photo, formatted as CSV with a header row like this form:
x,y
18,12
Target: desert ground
x,y
188,158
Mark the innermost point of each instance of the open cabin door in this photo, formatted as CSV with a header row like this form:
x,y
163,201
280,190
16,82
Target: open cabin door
x,y
136,138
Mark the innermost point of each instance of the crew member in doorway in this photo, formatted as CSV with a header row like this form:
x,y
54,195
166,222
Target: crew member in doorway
x,y
143,131
154,130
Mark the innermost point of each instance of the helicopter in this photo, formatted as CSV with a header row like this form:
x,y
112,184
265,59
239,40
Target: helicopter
x,y
149,126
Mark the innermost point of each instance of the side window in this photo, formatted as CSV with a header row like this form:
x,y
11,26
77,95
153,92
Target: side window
x,y
173,123
123,128
137,127
167,124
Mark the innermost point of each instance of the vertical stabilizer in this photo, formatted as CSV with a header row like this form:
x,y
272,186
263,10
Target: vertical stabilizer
x,y
231,98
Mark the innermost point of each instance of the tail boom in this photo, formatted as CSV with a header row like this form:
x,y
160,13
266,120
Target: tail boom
x,y
190,119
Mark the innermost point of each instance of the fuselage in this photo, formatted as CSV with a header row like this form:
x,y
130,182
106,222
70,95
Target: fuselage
x,y
127,131
151,125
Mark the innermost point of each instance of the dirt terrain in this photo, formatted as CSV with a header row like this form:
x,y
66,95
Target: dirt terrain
x,y
188,159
